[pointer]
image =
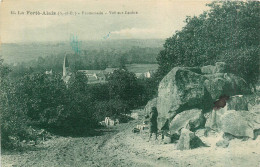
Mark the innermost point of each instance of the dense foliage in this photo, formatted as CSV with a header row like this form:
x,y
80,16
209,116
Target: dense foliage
x,y
43,101
228,32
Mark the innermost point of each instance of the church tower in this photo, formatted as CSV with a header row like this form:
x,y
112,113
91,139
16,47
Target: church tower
x,y
66,75
65,66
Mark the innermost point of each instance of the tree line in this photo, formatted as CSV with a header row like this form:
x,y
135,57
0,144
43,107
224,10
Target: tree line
x,y
228,32
89,60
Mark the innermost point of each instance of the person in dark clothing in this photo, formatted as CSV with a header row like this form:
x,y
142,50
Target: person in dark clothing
x,y
153,122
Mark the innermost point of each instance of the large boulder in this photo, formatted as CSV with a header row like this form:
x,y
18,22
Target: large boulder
x,y
243,102
210,69
220,67
238,102
186,88
190,119
222,83
149,105
236,123
254,116
188,140
180,89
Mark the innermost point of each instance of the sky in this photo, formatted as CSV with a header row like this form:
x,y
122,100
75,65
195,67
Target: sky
x,y
154,19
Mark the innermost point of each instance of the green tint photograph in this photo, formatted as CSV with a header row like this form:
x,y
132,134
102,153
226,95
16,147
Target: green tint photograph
x,y
129,83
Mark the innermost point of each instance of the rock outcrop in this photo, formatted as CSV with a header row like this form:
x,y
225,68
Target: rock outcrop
x,y
236,123
242,102
179,89
149,105
223,83
220,67
188,140
186,88
190,119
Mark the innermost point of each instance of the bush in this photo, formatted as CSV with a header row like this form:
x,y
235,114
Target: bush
x,y
14,121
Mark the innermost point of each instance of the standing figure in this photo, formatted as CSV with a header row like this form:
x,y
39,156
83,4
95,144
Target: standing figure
x,y
153,122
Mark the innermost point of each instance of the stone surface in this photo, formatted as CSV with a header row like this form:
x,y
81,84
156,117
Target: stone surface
x,y
186,88
219,84
149,105
167,140
220,67
236,123
188,140
190,119
210,69
222,143
238,102
200,132
185,139
243,102
254,116
179,89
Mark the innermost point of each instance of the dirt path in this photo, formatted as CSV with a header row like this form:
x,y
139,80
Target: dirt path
x,y
121,147
107,150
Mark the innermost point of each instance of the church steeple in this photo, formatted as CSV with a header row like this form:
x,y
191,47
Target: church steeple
x,y
65,66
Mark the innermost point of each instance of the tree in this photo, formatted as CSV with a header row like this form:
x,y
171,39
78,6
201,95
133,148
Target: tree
x,y
226,29
79,82
13,118
122,62
123,85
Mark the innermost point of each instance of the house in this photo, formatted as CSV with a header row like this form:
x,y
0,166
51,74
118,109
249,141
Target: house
x,y
149,74
145,74
142,70
48,72
139,75
110,70
94,75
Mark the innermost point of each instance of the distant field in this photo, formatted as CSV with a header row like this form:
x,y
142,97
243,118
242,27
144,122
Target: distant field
x,y
23,52
15,53
141,68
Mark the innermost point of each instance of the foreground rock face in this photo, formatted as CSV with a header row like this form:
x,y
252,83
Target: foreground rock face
x,y
190,119
180,88
186,88
188,140
236,123
242,102
222,83
149,105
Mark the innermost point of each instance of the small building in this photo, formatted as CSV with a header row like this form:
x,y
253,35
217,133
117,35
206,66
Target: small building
x,y
142,70
110,70
48,72
139,75
149,74
94,75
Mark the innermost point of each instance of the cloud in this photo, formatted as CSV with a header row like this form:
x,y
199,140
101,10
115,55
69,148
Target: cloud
x,y
136,31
